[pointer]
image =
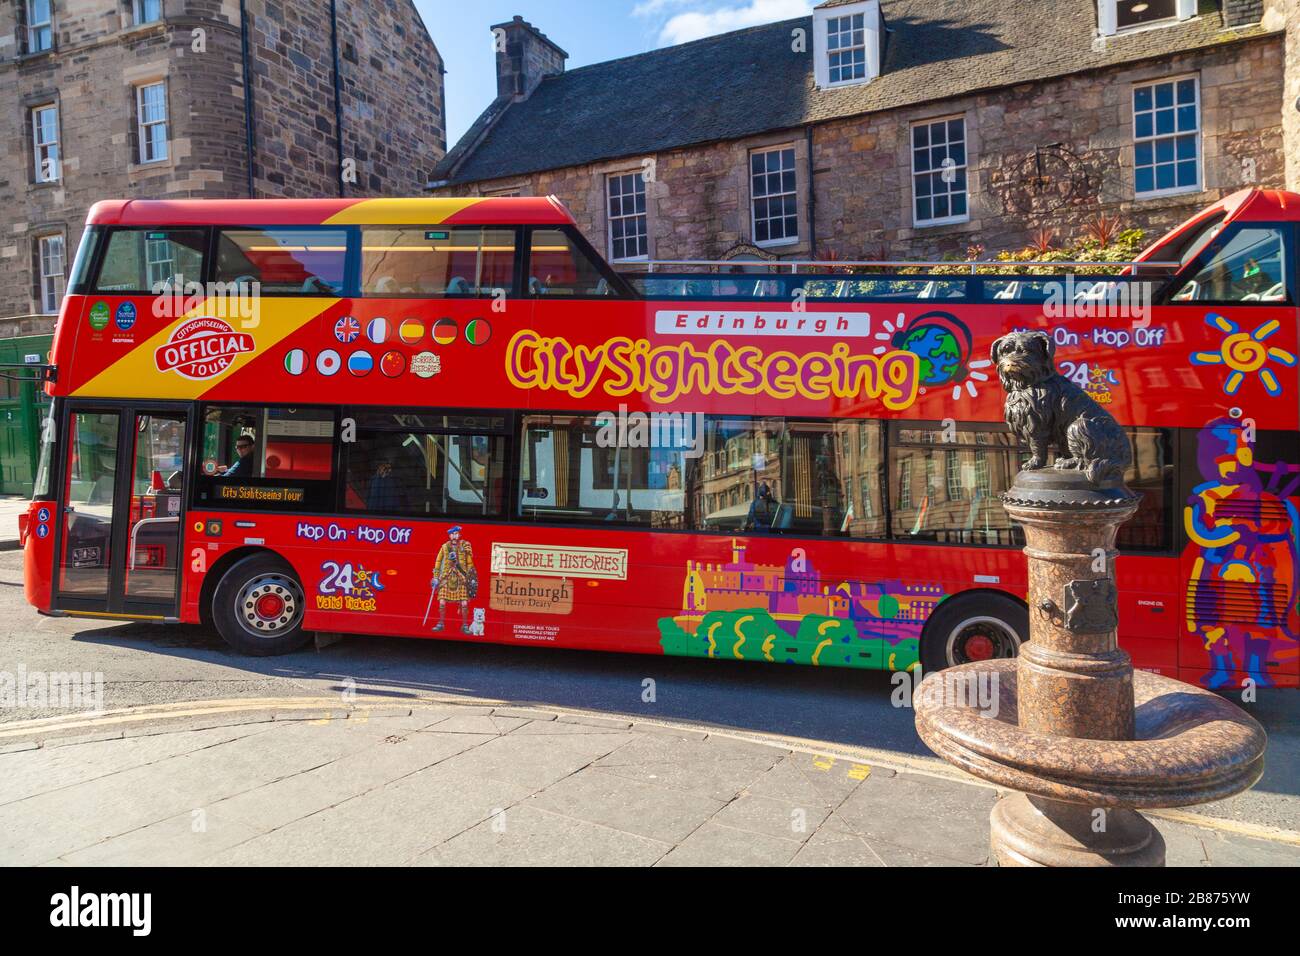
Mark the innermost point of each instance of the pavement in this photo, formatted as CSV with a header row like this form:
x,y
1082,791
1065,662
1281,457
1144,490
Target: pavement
x,y
11,506
328,781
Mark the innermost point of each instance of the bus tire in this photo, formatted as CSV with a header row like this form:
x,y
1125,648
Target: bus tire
x,y
973,627
258,607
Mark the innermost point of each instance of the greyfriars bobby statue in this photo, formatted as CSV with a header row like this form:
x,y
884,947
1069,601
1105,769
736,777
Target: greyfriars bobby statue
x,y
1087,741
1044,409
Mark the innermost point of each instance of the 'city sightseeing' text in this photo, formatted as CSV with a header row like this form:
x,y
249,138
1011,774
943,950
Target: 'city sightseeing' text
x,y
622,366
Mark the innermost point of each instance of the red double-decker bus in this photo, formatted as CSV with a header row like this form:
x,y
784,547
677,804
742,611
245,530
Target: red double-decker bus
x,y
450,418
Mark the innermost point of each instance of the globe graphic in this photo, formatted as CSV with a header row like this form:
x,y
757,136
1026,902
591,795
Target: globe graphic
x,y
938,351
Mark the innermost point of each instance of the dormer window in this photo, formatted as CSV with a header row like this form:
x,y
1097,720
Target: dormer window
x,y
846,47
846,42
1116,16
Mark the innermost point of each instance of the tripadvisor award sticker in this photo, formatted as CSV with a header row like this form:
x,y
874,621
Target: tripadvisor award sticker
x,y
426,364
99,315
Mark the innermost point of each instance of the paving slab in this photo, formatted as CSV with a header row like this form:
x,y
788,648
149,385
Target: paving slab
x,y
931,815
527,836
717,845
386,827
613,800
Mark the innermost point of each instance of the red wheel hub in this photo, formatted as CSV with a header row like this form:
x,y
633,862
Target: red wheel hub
x,y
269,606
979,647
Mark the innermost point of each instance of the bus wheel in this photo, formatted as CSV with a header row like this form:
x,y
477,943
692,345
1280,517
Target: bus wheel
x,y
978,627
258,606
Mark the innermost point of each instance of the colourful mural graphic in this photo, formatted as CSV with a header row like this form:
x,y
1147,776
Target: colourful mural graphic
x,y
1245,352
1241,597
785,614
943,344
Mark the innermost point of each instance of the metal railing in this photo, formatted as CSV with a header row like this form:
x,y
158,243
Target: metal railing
x,y
795,265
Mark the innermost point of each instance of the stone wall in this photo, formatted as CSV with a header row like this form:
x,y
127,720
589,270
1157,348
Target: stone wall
x,y
698,203
393,112
1287,12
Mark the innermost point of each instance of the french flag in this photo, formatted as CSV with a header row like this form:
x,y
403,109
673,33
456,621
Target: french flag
x,y
377,331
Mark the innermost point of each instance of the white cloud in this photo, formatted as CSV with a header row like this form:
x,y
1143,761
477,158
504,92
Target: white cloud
x,y
694,24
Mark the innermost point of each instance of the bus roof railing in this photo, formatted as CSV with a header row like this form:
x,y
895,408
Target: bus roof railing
x,y
795,265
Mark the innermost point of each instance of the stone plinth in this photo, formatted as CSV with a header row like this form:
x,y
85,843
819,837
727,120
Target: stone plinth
x,y
1085,740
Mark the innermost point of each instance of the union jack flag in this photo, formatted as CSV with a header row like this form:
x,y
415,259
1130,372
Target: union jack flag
x,y
346,329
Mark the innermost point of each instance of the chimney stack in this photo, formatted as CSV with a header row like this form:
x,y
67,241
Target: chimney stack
x,y
524,57
1240,13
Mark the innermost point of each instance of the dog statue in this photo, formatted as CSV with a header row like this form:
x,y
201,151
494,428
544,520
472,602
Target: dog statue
x,y
1046,409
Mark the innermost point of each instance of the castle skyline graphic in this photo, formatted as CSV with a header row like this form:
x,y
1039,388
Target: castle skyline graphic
x,y
787,612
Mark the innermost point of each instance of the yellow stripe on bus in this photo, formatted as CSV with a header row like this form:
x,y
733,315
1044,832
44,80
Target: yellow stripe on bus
x,y
127,377
399,212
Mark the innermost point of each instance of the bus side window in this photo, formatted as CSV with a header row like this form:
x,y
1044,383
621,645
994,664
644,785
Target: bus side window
x,y
151,260
285,261
558,268
1245,264
439,261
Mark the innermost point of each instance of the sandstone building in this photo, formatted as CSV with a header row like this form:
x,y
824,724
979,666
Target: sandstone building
x,y
897,128
199,99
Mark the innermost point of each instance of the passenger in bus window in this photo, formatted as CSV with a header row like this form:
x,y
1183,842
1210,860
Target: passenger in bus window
x,y
384,493
762,510
242,467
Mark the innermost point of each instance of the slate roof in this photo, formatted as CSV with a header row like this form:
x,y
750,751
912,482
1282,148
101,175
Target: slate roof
x,y
750,81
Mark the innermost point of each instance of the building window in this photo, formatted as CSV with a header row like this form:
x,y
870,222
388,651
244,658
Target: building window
x,y
939,171
45,142
1114,16
956,477
627,216
773,199
147,11
1134,13
40,29
151,116
1166,137
50,253
847,48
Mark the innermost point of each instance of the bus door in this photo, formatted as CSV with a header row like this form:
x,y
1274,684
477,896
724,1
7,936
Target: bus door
x,y
122,501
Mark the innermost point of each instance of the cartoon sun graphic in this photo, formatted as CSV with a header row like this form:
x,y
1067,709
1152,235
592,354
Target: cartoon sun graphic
x,y
1245,352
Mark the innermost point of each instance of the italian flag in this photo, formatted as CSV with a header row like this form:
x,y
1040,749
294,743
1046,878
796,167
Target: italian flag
x,y
295,361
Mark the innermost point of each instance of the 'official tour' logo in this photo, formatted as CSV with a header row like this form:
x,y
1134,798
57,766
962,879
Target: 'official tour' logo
x,y
202,348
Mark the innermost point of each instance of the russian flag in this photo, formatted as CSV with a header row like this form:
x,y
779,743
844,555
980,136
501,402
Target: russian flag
x,y
360,363
377,331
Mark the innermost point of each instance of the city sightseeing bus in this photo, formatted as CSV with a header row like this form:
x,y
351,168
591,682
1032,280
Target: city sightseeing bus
x,y
450,418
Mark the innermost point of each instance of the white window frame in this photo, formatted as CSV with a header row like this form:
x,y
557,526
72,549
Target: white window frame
x,y
1108,18
49,167
139,14
872,32
43,28
753,199
142,126
1155,137
643,216
52,284
963,167
835,27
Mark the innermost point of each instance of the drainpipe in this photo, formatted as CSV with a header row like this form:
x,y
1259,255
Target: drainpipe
x,y
338,94
812,197
250,142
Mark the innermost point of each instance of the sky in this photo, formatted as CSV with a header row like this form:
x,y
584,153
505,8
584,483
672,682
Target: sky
x,y
590,31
